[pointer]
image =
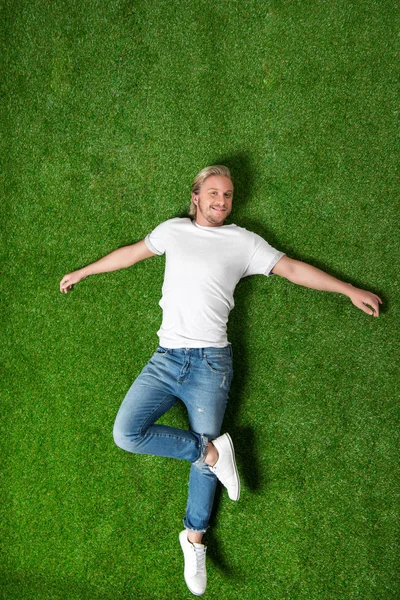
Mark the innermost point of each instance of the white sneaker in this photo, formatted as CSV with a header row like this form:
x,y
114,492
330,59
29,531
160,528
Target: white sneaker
x,y
225,467
195,564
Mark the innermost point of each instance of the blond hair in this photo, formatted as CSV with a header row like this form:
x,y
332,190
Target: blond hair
x,y
200,179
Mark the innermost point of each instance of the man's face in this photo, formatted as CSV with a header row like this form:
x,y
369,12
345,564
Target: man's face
x,y
214,201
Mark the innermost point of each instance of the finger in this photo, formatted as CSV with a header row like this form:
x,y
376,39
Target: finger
x,y
364,307
372,309
375,297
376,307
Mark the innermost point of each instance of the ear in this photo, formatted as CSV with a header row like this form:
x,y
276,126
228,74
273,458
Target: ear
x,y
194,198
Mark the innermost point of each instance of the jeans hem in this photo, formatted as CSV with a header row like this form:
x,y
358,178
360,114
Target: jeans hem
x,y
204,530
203,451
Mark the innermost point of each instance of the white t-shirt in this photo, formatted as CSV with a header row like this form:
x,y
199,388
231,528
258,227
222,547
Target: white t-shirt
x,y
203,267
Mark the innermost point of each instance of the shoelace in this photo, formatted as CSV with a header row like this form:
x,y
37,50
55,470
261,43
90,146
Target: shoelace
x,y
199,561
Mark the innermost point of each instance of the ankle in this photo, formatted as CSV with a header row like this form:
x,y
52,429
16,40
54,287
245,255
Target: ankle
x,y
194,537
212,455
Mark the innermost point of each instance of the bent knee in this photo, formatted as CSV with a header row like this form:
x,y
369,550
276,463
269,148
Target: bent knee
x,y
121,439
126,440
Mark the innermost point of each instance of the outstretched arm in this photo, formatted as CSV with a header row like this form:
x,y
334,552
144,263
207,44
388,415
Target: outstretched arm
x,y
119,259
304,274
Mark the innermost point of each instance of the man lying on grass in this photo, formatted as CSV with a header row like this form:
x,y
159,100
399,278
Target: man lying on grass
x,y
205,259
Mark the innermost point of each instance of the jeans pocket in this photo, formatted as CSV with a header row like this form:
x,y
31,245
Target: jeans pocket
x,y
218,363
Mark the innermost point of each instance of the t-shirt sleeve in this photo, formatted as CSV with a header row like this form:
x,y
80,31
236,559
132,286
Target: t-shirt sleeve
x,y
263,258
156,241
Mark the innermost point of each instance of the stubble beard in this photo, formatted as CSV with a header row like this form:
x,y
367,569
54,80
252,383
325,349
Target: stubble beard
x,y
208,216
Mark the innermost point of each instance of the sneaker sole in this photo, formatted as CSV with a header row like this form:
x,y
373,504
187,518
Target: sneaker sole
x,y
234,464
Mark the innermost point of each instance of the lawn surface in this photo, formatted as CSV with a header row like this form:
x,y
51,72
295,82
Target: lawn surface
x,y
109,109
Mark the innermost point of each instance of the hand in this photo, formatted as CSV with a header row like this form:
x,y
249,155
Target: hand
x,y
69,280
366,301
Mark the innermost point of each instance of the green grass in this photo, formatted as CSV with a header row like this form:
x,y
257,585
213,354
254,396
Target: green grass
x,y
109,109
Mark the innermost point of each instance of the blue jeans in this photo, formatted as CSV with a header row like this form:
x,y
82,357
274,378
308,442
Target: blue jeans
x,y
201,378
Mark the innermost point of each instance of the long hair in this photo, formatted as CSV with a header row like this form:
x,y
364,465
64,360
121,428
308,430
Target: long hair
x,y
200,179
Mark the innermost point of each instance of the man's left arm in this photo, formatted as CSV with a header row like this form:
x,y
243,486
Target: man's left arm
x,y
304,274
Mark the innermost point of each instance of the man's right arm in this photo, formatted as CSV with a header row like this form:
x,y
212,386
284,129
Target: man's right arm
x,y
119,259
